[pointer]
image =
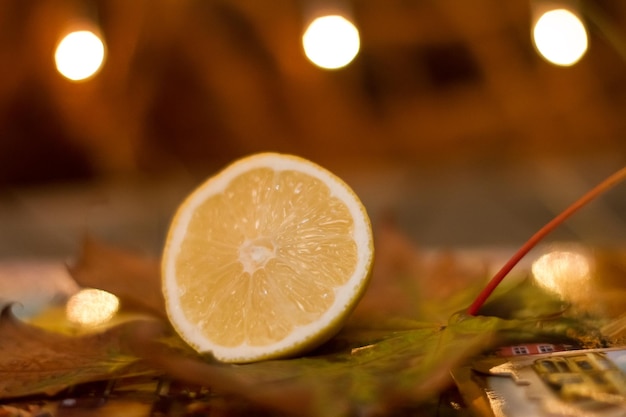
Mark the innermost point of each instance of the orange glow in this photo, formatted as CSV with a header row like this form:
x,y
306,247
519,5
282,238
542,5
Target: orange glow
x,y
79,55
331,42
564,272
560,37
91,307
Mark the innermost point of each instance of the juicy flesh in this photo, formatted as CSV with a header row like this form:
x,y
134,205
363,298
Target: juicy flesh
x,y
264,257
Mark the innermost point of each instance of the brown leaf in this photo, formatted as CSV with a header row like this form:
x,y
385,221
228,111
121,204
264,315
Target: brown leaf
x,y
34,361
271,390
133,278
410,283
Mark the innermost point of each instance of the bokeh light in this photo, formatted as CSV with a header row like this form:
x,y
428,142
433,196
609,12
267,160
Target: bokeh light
x,y
560,37
79,55
91,307
564,272
331,42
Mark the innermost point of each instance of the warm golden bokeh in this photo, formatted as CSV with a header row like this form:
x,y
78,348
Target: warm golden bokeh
x,y
560,37
91,307
447,119
79,55
331,42
565,272
190,85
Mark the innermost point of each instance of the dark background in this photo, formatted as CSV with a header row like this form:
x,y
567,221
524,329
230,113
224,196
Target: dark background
x,y
447,122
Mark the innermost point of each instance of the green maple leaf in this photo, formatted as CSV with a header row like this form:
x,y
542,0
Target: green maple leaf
x,y
361,372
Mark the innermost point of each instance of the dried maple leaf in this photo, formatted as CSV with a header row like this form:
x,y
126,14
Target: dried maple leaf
x,y
403,368
359,373
133,278
408,282
371,365
33,360
393,353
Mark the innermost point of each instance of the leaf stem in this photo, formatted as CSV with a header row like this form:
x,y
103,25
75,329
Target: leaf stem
x,y
605,185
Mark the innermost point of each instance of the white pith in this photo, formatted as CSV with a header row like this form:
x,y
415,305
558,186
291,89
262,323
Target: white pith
x,y
254,255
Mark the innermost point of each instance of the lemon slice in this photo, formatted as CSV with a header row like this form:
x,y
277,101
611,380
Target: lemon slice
x,y
266,259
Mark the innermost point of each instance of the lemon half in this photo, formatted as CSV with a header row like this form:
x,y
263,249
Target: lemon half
x,y
266,259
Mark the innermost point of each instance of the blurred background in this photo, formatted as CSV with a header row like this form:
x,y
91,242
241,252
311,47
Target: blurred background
x,y
445,117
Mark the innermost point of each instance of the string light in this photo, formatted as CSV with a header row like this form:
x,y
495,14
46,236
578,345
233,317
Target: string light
x,y
331,41
564,272
560,36
91,307
79,55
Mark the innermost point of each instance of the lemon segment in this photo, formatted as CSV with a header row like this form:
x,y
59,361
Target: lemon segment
x,y
266,259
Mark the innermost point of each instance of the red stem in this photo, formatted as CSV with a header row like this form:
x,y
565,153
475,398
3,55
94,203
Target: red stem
x,y
549,227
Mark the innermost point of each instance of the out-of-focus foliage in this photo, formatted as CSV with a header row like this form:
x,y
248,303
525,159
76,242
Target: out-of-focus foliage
x,y
395,353
33,360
